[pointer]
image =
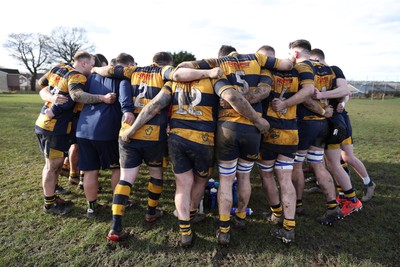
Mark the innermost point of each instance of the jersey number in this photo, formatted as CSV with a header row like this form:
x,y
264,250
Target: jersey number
x,y
281,97
324,100
243,86
142,86
194,99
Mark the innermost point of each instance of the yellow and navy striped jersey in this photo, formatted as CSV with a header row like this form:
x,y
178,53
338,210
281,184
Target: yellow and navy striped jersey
x,y
244,73
62,79
146,84
283,129
194,108
320,81
52,77
324,80
339,75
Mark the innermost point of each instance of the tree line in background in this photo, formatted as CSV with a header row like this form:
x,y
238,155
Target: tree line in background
x,y
38,52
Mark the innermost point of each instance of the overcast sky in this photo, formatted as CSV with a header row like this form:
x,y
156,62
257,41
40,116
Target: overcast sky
x,y
361,37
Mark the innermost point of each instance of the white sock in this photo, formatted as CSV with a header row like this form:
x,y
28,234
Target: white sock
x,y
366,180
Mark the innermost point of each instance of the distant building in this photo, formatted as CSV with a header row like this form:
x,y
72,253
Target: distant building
x,y
371,86
353,89
9,79
24,82
375,89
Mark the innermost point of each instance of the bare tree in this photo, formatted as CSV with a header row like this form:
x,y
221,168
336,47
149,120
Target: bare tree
x,y
31,50
65,42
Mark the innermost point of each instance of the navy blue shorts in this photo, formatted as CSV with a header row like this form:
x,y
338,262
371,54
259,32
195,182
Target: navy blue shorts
x,y
271,151
133,155
312,133
97,155
72,139
72,136
186,155
54,146
236,143
349,133
349,129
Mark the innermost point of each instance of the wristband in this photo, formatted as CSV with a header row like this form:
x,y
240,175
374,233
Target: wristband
x,y
323,112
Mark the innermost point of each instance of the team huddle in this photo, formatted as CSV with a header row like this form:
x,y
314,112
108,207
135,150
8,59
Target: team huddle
x,y
224,113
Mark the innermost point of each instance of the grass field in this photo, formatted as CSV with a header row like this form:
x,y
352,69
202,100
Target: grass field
x,y
29,237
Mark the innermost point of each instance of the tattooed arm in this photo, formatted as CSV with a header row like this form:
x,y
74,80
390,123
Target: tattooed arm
x,y
341,90
78,84
189,74
162,100
315,106
300,97
103,71
258,94
254,96
82,97
240,104
263,88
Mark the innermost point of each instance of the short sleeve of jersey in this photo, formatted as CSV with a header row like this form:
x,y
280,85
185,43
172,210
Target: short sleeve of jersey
x,y
338,72
265,78
76,82
44,80
205,63
221,85
167,88
167,72
121,72
267,62
306,72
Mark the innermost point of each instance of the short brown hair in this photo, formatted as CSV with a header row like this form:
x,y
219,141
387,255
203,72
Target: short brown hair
x,y
79,55
163,58
99,60
226,50
124,58
301,43
267,48
318,53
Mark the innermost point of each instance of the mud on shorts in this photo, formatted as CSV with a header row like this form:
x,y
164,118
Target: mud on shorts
x,y
237,143
186,155
271,151
132,155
